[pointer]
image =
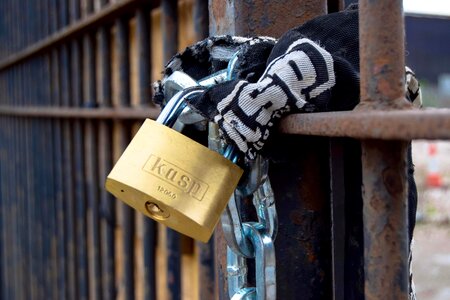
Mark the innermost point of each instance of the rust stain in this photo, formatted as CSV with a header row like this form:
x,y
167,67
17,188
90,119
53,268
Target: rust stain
x,y
219,9
393,182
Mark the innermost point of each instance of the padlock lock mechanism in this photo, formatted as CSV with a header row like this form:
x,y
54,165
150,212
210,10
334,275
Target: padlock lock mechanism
x,y
174,180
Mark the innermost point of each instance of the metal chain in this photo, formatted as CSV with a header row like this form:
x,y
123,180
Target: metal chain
x,y
249,240
259,237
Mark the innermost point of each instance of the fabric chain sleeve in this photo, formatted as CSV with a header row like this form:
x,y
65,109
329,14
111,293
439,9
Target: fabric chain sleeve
x,y
291,82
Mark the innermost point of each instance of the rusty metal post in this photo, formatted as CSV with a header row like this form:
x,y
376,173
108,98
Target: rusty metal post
x,y
271,18
304,217
384,162
382,54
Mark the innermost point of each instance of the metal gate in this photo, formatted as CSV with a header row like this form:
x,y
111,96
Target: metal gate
x,y
75,84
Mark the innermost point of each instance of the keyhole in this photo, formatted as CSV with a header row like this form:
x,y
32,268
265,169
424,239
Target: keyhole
x,y
155,211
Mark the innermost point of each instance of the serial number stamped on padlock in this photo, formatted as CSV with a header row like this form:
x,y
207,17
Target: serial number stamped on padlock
x,y
166,192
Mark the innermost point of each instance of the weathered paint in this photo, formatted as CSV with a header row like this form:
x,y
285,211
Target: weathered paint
x,y
384,163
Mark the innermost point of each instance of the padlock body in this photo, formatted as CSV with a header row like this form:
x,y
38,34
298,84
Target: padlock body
x,y
174,180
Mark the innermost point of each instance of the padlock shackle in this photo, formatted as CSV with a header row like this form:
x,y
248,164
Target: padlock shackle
x,y
231,66
176,105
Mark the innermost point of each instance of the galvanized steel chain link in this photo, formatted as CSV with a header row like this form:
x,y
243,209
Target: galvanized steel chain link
x,y
250,240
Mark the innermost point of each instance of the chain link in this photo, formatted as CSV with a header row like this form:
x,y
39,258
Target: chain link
x,y
251,240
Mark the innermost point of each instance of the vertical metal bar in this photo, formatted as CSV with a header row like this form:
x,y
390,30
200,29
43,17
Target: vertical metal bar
x,y
13,187
32,196
40,202
42,72
382,52
8,120
144,67
25,76
37,232
201,19
41,171
10,190
52,156
3,167
5,191
91,159
338,237
127,212
206,263
384,163
108,220
169,28
64,199
34,25
42,177
59,142
15,205
15,157
35,240
14,199
80,193
10,195
74,10
144,79
3,154
7,261
47,193
385,219
81,266
107,212
19,152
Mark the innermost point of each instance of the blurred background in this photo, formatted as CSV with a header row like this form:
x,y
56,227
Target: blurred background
x,y
427,31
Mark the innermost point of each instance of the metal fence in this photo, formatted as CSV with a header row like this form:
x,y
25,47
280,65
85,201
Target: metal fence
x,y
75,84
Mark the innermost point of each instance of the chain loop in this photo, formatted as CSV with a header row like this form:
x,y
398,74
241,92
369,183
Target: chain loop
x,y
252,240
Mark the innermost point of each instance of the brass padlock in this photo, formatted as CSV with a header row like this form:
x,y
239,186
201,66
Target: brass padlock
x,y
173,179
